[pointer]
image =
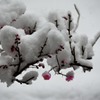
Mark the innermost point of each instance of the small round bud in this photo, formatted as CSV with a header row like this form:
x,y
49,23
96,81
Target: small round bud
x,y
46,75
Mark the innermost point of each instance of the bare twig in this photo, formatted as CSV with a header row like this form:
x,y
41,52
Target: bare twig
x,y
32,63
23,82
17,42
70,36
77,24
42,48
52,68
96,38
58,63
88,68
32,30
25,67
61,74
4,66
73,50
56,21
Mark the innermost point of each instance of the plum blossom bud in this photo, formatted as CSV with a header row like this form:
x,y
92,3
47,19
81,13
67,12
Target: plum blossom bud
x,y
64,62
46,75
12,48
70,76
41,65
61,46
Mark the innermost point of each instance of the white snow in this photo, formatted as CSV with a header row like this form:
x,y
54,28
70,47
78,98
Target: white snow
x,y
7,38
81,88
10,10
29,76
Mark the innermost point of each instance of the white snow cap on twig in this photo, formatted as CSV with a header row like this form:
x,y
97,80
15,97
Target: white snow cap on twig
x,y
29,76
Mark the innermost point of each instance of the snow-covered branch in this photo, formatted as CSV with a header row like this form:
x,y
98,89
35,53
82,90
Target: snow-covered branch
x,y
27,40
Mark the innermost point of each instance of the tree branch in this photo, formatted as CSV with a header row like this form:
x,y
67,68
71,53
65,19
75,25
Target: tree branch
x,y
96,38
58,63
77,24
23,82
42,48
70,36
56,21
25,67
17,42
88,68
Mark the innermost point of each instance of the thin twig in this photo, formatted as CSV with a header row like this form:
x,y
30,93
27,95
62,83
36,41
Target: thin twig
x,y
61,74
70,36
42,48
18,54
58,63
52,68
25,67
77,24
96,38
25,82
56,21
83,66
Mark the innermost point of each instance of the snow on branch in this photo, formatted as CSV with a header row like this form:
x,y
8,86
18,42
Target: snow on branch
x,y
27,40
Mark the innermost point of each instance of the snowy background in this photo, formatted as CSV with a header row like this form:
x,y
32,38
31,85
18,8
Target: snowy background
x,y
84,86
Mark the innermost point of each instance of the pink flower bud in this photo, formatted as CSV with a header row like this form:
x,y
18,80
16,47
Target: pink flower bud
x,y
12,48
13,20
70,76
46,75
61,46
65,18
64,61
41,65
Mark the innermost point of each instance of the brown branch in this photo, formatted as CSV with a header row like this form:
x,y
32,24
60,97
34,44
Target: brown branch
x,y
58,63
96,38
73,50
69,25
32,63
52,68
82,48
74,55
42,48
4,66
61,74
77,24
17,42
70,36
25,67
88,68
28,29
23,82
32,30
56,23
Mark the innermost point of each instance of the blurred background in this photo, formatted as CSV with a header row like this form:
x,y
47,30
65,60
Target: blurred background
x,y
84,86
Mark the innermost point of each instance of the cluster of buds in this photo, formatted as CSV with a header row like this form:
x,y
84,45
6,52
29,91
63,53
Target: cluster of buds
x,y
17,41
69,76
61,47
41,65
3,66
